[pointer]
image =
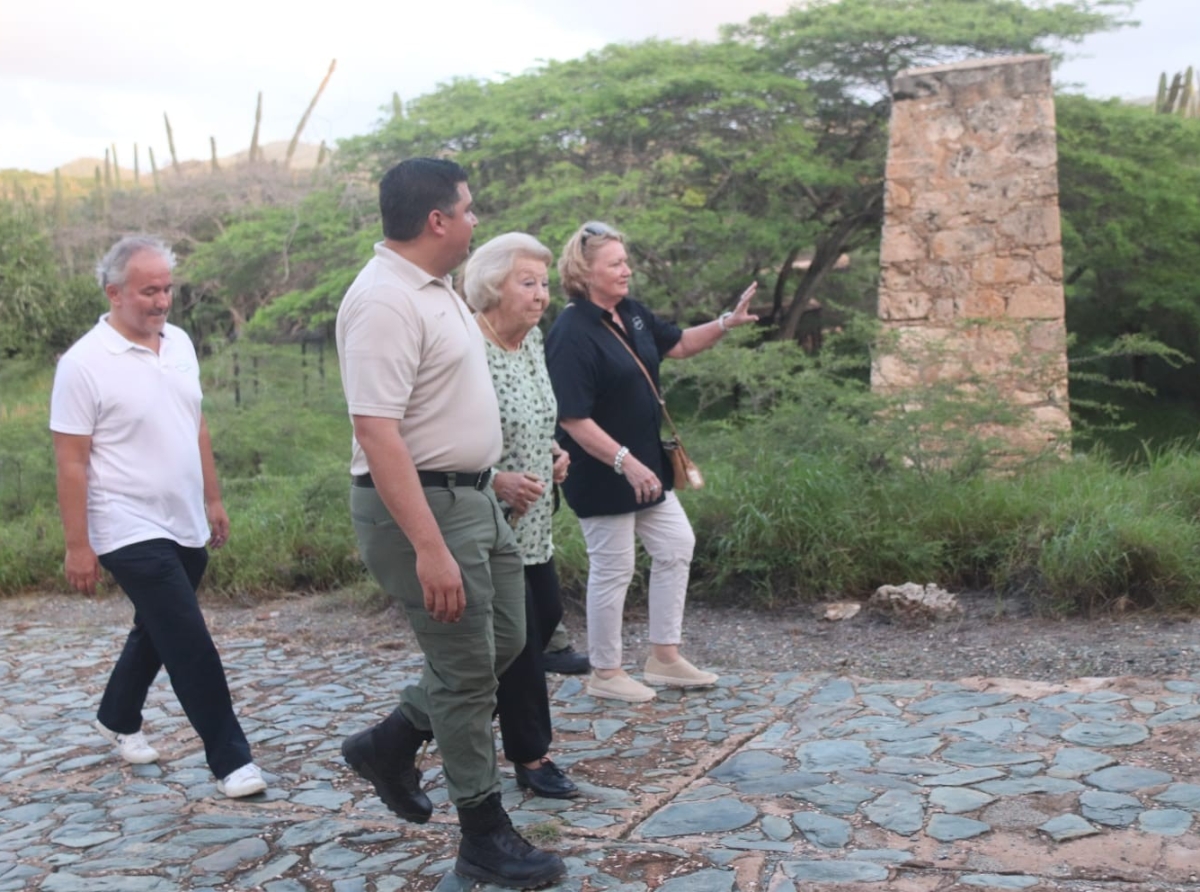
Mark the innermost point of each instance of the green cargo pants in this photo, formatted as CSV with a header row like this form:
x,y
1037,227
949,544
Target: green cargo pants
x,y
456,695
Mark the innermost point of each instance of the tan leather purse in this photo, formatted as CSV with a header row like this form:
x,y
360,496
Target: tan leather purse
x,y
685,474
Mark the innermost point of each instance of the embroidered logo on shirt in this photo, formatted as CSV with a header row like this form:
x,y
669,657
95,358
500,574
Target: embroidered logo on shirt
x,y
638,323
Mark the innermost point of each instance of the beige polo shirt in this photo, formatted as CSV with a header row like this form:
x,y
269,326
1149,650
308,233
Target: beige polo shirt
x,y
409,350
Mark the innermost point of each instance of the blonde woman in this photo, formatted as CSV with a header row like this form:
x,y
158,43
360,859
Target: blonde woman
x,y
620,484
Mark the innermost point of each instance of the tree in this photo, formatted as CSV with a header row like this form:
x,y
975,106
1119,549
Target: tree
x,y
42,310
849,52
297,259
722,161
1129,191
674,143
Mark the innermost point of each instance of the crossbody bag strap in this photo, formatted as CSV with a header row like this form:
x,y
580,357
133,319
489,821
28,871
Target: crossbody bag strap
x,y
649,380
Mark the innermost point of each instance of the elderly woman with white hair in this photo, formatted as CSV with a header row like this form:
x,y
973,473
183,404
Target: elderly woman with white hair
x,y
506,282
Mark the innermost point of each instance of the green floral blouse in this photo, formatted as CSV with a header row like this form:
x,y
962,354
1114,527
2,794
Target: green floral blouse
x,y
527,416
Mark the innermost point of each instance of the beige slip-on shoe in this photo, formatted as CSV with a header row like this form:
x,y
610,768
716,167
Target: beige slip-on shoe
x,y
619,687
680,674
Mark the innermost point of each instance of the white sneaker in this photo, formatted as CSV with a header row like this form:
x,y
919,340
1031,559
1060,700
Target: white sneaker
x,y
680,674
619,687
133,748
246,781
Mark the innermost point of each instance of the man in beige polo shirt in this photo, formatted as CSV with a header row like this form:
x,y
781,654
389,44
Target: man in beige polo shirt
x,y
426,433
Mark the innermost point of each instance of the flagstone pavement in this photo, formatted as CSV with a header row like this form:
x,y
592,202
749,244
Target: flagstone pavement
x,y
772,782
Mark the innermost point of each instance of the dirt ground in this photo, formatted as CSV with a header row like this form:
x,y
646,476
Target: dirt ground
x,y
998,638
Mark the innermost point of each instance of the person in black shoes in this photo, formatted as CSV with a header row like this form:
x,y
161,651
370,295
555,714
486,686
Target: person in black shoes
x,y
561,657
507,283
428,525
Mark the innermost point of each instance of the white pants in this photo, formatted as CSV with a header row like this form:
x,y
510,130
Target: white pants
x,y
667,536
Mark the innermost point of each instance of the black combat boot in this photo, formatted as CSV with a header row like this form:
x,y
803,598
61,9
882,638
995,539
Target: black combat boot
x,y
493,852
386,756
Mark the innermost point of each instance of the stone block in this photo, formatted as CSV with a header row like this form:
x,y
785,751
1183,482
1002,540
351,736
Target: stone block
x,y
896,196
1049,261
1036,302
901,246
1032,227
958,244
979,303
1051,338
904,305
990,271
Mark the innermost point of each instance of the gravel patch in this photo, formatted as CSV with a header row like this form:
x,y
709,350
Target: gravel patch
x,y
992,637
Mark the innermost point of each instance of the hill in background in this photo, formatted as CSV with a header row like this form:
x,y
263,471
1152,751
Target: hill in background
x,y
82,171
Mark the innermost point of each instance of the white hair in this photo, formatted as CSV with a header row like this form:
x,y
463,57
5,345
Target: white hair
x,y
112,266
491,264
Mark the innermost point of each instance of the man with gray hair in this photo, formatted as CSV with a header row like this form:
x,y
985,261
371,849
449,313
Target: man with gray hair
x,y
138,495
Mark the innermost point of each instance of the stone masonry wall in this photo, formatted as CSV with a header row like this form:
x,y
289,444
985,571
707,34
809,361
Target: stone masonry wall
x,y
971,279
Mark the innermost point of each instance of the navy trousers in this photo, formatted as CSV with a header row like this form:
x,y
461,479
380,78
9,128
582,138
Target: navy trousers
x,y
160,577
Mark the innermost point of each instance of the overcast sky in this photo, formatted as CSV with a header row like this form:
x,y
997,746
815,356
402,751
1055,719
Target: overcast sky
x,y
77,76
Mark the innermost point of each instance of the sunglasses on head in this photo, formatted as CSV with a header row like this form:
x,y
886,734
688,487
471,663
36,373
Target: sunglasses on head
x,y
594,228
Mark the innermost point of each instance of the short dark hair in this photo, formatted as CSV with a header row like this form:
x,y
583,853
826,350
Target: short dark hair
x,y
413,188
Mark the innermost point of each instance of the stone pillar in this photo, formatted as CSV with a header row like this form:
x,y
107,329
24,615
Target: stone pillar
x,y
971,289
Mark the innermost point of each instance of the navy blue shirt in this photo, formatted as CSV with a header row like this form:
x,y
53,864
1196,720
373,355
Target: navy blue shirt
x,y
595,377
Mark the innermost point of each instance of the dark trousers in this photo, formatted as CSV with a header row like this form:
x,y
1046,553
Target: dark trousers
x,y
160,577
522,700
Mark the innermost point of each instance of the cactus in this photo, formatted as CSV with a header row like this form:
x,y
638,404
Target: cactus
x,y
137,174
212,142
255,151
1187,96
397,107
322,155
291,149
116,167
171,144
107,171
60,206
153,167
1181,97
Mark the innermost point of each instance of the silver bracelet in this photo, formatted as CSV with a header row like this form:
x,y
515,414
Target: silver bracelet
x,y
619,459
721,321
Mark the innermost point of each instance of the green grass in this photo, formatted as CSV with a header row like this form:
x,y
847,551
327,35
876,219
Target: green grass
x,y
803,503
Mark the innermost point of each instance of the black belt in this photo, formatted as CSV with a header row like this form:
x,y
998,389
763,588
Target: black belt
x,y
441,479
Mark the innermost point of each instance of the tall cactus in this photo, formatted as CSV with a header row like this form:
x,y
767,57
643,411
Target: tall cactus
x,y
60,204
291,149
1180,98
171,145
397,107
137,174
153,167
116,167
107,171
212,142
255,151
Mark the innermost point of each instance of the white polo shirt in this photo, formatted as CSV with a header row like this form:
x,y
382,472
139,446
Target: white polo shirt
x,y
142,411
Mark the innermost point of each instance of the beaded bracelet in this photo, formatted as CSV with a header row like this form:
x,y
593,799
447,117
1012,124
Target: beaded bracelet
x,y
619,458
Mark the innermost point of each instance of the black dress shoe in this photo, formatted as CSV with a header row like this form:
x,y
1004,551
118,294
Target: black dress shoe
x,y
547,780
566,661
